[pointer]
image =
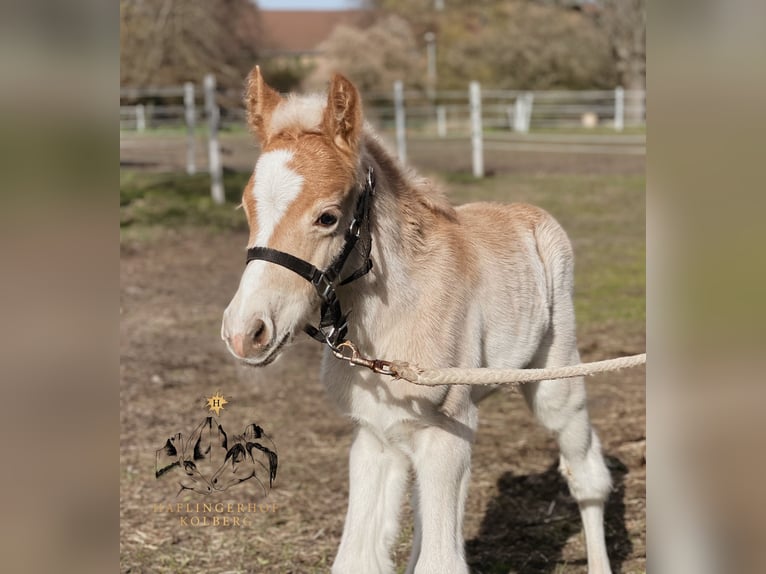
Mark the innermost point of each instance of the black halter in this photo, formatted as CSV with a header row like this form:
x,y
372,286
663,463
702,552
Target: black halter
x,y
333,324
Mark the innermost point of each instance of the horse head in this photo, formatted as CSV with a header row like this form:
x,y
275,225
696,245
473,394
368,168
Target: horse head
x,y
299,202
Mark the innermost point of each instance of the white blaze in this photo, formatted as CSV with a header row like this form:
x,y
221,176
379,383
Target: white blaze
x,y
276,186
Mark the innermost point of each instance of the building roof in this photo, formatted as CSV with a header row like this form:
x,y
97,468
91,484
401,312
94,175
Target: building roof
x,y
301,31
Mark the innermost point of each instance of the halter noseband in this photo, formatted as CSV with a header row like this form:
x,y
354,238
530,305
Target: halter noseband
x,y
333,324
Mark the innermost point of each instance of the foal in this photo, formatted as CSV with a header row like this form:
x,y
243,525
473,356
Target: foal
x,y
481,285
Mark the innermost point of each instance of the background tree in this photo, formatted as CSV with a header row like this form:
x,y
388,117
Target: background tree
x,y
529,44
373,58
522,45
168,42
624,23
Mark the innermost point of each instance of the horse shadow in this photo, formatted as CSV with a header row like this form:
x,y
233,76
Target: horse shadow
x,y
528,523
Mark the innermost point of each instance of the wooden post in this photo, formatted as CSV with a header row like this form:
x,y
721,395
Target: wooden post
x,y
140,118
476,132
401,128
619,108
213,148
191,143
441,121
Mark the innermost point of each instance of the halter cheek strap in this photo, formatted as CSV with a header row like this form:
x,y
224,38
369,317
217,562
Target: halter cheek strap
x,y
333,325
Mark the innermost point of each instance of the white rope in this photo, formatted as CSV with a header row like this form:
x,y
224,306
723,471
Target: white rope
x,y
459,376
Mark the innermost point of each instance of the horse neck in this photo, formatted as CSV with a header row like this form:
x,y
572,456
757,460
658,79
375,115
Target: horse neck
x,y
406,219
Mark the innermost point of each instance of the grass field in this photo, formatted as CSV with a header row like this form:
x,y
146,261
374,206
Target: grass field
x,y
181,257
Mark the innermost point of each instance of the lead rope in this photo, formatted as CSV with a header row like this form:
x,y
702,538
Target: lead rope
x,y
347,351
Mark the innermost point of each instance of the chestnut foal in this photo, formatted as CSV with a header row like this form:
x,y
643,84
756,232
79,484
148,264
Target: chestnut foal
x,y
480,285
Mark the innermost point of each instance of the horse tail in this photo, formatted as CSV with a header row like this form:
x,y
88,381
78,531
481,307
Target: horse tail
x,y
557,256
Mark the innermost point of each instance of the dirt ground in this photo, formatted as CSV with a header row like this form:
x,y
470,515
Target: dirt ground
x,y
168,153
519,515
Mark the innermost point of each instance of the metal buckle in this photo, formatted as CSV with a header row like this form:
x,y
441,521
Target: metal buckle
x,y
329,334
324,288
356,359
355,229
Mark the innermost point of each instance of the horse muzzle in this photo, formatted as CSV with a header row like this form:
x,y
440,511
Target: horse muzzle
x,y
256,344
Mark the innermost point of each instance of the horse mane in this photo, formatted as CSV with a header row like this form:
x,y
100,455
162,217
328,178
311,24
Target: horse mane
x,y
413,191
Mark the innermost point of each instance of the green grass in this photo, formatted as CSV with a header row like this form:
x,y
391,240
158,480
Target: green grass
x,y
201,129
150,200
603,214
600,130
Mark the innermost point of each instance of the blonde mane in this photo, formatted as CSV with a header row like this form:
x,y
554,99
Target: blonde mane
x,y
299,114
406,184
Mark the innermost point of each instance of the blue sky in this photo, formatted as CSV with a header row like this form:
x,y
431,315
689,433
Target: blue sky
x,y
307,4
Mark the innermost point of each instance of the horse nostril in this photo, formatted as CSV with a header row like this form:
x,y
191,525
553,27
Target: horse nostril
x,y
260,333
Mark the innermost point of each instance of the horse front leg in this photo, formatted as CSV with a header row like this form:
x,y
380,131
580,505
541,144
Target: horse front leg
x,y
442,461
377,481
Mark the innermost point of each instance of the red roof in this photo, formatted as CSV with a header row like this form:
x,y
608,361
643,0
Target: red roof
x,y
296,31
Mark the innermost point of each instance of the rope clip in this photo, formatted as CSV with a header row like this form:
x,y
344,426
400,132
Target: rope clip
x,y
354,358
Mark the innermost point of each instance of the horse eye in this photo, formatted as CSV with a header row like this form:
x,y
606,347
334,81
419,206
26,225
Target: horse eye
x,y
327,219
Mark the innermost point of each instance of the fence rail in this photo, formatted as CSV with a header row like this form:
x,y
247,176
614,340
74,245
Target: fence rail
x,y
515,110
491,118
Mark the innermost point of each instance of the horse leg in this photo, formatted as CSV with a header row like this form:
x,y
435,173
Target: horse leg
x,y
377,480
442,462
560,405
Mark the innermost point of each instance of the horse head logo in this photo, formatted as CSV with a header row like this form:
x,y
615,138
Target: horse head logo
x,y
211,461
246,458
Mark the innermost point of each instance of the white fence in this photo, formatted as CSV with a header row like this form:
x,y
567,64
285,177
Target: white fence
x,y
147,113
448,113
539,120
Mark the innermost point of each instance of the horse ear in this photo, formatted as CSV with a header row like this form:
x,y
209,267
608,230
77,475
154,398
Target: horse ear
x,y
253,431
343,115
260,100
223,439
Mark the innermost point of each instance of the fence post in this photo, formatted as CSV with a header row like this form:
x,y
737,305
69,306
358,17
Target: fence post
x,y
140,118
476,135
619,108
529,98
518,114
401,130
441,121
213,148
522,112
190,113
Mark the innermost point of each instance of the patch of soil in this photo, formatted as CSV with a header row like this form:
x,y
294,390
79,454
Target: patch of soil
x,y
168,153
